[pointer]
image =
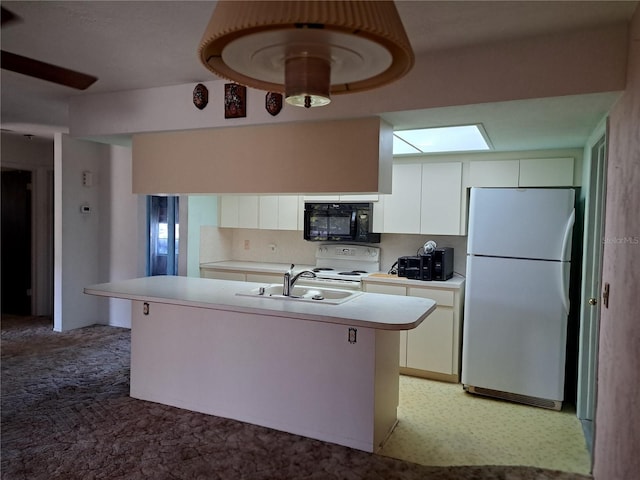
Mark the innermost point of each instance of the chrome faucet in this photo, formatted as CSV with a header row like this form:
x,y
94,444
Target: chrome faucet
x,y
290,279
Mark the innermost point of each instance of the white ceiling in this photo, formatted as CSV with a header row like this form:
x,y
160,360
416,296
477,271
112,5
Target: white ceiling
x,y
142,44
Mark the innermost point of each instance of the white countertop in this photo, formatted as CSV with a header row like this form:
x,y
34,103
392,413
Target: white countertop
x,y
369,310
456,282
258,267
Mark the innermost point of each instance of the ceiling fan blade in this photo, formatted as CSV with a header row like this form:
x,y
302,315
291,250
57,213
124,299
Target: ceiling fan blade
x,y
45,71
8,16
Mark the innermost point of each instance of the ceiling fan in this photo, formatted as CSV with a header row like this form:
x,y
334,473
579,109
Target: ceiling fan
x,y
35,68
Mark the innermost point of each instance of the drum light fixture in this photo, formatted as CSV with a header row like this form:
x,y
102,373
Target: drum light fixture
x,y
307,50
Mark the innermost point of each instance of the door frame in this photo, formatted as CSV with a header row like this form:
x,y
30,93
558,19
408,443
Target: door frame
x,y
591,282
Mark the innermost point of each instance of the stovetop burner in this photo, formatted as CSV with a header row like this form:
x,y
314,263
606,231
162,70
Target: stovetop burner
x,y
353,272
344,266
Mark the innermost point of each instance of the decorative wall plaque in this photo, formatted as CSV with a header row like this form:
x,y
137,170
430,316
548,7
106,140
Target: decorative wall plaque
x,y
200,96
235,100
273,103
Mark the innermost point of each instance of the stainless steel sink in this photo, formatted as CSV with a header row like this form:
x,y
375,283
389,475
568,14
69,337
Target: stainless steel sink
x,y
299,293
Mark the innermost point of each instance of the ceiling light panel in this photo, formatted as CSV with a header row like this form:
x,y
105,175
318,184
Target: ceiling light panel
x,y
400,147
459,138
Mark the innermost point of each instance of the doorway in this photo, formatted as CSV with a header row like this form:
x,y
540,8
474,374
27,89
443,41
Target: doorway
x,y
16,242
591,287
164,235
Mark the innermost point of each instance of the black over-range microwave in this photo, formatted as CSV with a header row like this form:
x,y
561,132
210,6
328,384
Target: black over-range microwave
x,y
339,222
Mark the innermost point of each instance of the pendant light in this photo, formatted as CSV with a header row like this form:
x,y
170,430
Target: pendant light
x,y
307,50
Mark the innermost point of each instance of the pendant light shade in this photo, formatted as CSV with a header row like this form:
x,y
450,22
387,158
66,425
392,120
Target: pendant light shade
x,y
307,50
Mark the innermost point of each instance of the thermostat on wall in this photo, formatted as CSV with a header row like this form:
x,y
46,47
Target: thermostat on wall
x,y
85,208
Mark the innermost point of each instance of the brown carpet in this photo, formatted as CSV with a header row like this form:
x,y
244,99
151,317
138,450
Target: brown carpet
x,y
66,414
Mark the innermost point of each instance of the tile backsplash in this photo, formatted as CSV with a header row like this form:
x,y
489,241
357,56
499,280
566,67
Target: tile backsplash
x,y
280,246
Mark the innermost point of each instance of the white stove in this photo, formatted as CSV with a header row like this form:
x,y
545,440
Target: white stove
x,y
343,266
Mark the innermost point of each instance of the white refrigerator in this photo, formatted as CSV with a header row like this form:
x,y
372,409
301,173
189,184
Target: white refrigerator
x,y
517,294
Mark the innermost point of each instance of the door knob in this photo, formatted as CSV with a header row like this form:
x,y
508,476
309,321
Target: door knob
x,y
593,301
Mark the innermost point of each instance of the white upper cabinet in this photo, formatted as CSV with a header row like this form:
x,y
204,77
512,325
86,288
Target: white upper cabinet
x,y
426,198
268,217
229,211
239,211
288,206
401,209
321,198
546,172
441,198
355,198
248,211
531,172
494,173
360,198
268,212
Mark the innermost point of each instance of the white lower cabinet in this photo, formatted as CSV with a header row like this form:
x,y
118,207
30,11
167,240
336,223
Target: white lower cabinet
x,y
264,278
392,290
223,274
431,350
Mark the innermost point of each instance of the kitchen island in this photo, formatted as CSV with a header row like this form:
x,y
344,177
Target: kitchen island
x,y
325,371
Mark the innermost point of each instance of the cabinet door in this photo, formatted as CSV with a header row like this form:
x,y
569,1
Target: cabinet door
x,y
248,211
392,290
430,344
268,212
401,209
288,212
264,278
494,173
222,275
441,198
546,172
229,211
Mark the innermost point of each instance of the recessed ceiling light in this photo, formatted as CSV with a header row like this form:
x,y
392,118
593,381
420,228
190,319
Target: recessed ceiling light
x,y
459,138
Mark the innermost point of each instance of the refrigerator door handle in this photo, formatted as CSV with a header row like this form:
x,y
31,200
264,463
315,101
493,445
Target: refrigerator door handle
x,y
565,273
566,239
564,285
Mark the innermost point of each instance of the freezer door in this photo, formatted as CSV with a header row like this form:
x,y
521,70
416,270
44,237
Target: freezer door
x,y
515,326
521,223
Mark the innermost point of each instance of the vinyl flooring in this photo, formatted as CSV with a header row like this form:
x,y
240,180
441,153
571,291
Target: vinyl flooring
x,y
440,424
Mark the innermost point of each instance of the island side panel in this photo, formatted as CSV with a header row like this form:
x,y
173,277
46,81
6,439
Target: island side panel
x,y
387,385
293,375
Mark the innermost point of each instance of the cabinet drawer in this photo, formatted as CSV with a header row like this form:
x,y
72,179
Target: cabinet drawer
x,y
264,278
222,275
386,289
441,297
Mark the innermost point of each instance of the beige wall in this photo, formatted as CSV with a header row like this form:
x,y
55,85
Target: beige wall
x,y
617,427
550,65
341,156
